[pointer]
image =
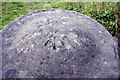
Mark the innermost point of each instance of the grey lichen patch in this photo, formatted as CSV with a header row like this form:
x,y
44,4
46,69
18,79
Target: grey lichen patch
x,y
22,74
18,22
100,31
73,37
35,35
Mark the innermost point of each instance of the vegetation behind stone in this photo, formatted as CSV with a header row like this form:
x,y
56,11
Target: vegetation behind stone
x,y
103,12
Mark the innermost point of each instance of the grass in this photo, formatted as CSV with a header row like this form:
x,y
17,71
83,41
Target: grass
x,y
103,12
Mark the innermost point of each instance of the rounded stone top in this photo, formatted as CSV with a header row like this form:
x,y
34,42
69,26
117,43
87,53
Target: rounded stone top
x,y
57,43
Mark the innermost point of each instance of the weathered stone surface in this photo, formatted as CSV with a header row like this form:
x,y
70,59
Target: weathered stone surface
x,y
58,43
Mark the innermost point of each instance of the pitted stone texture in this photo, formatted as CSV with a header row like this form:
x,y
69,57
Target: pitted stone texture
x,y
58,43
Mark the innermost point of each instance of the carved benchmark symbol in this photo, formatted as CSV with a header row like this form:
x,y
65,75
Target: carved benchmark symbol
x,y
57,41
54,42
